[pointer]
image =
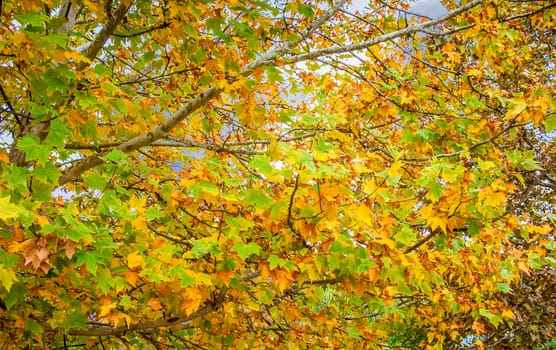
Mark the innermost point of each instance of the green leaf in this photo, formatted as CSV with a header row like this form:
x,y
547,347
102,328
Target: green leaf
x,y
153,213
185,279
503,287
89,259
115,156
47,173
95,180
435,191
75,320
306,11
530,164
405,236
257,197
16,294
215,25
105,281
274,261
57,133
32,326
198,189
262,164
273,74
35,19
535,261
102,69
474,102
246,250
34,150
109,88
203,247
550,122
42,191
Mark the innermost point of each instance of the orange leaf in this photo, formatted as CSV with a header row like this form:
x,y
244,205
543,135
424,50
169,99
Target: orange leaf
x,y
154,304
479,327
131,277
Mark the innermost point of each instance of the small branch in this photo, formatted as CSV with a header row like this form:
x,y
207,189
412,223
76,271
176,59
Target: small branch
x,y
359,317
141,32
528,14
324,281
470,148
290,206
421,242
9,104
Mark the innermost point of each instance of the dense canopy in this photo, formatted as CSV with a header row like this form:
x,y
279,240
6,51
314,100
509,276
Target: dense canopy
x,y
277,174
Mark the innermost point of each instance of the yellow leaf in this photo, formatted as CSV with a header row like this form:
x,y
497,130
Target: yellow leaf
x,y
138,204
365,214
508,314
76,56
394,170
519,106
42,220
8,210
140,222
135,260
106,308
7,277
479,327
437,222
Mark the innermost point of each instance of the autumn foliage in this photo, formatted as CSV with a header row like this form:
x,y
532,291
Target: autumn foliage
x,y
277,174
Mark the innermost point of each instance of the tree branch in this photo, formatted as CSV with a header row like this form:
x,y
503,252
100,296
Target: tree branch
x,y
382,38
90,51
199,101
204,97
421,242
68,14
184,322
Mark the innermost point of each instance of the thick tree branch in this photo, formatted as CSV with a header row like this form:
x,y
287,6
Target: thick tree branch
x,y
68,16
203,98
199,101
184,322
91,50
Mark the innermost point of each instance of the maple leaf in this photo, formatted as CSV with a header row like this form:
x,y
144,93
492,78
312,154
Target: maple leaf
x,y
8,210
7,277
135,260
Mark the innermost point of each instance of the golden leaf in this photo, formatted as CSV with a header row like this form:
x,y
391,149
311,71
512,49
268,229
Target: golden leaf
x,y
135,260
